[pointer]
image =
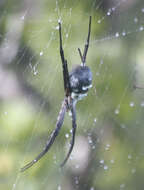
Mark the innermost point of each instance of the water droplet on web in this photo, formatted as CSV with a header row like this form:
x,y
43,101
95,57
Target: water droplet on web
x,y
105,167
41,53
135,19
95,120
129,156
107,147
23,17
133,170
123,126
5,112
67,135
112,161
59,20
35,160
14,185
93,147
92,188
35,72
122,186
97,73
71,130
113,8
117,111
101,161
131,104
101,61
90,141
59,187
99,21
67,35
141,28
57,27
123,33
54,157
116,34
77,166
108,13
142,104
76,181
142,10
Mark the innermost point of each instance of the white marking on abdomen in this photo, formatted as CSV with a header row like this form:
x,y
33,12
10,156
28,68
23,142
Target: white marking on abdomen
x,y
78,96
86,87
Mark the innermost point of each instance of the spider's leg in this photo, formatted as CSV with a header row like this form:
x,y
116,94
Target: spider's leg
x,y
83,57
54,134
67,87
74,126
80,53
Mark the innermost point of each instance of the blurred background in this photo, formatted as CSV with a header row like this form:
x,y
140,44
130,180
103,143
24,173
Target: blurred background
x,y
108,152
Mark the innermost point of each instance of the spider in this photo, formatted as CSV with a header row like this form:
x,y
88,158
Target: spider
x,y
76,86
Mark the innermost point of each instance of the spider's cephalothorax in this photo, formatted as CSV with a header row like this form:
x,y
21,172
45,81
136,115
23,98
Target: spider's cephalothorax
x,y
80,81
76,85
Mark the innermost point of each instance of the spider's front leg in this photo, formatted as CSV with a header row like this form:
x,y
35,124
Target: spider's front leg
x,y
67,86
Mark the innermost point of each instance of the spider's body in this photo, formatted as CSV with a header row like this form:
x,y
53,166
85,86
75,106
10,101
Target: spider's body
x,y
80,81
76,86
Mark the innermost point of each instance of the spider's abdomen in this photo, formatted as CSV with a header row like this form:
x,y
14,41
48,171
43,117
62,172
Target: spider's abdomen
x,y
80,81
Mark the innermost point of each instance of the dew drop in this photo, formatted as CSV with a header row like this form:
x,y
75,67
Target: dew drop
x,y
113,8
23,17
141,28
95,120
112,161
123,126
135,19
107,147
133,170
67,135
14,185
122,186
108,13
123,33
41,53
76,181
67,35
59,187
142,10
71,130
116,34
5,112
101,161
77,166
105,167
92,188
142,104
117,111
93,147
57,27
59,20
131,104
35,72
129,156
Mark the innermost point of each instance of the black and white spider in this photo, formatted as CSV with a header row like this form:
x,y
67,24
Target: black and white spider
x,y
76,86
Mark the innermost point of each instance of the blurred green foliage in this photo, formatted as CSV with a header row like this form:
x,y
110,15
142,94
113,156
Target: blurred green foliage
x,y
108,152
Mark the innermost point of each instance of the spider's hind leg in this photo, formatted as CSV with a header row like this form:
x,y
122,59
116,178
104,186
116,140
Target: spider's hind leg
x,y
74,126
